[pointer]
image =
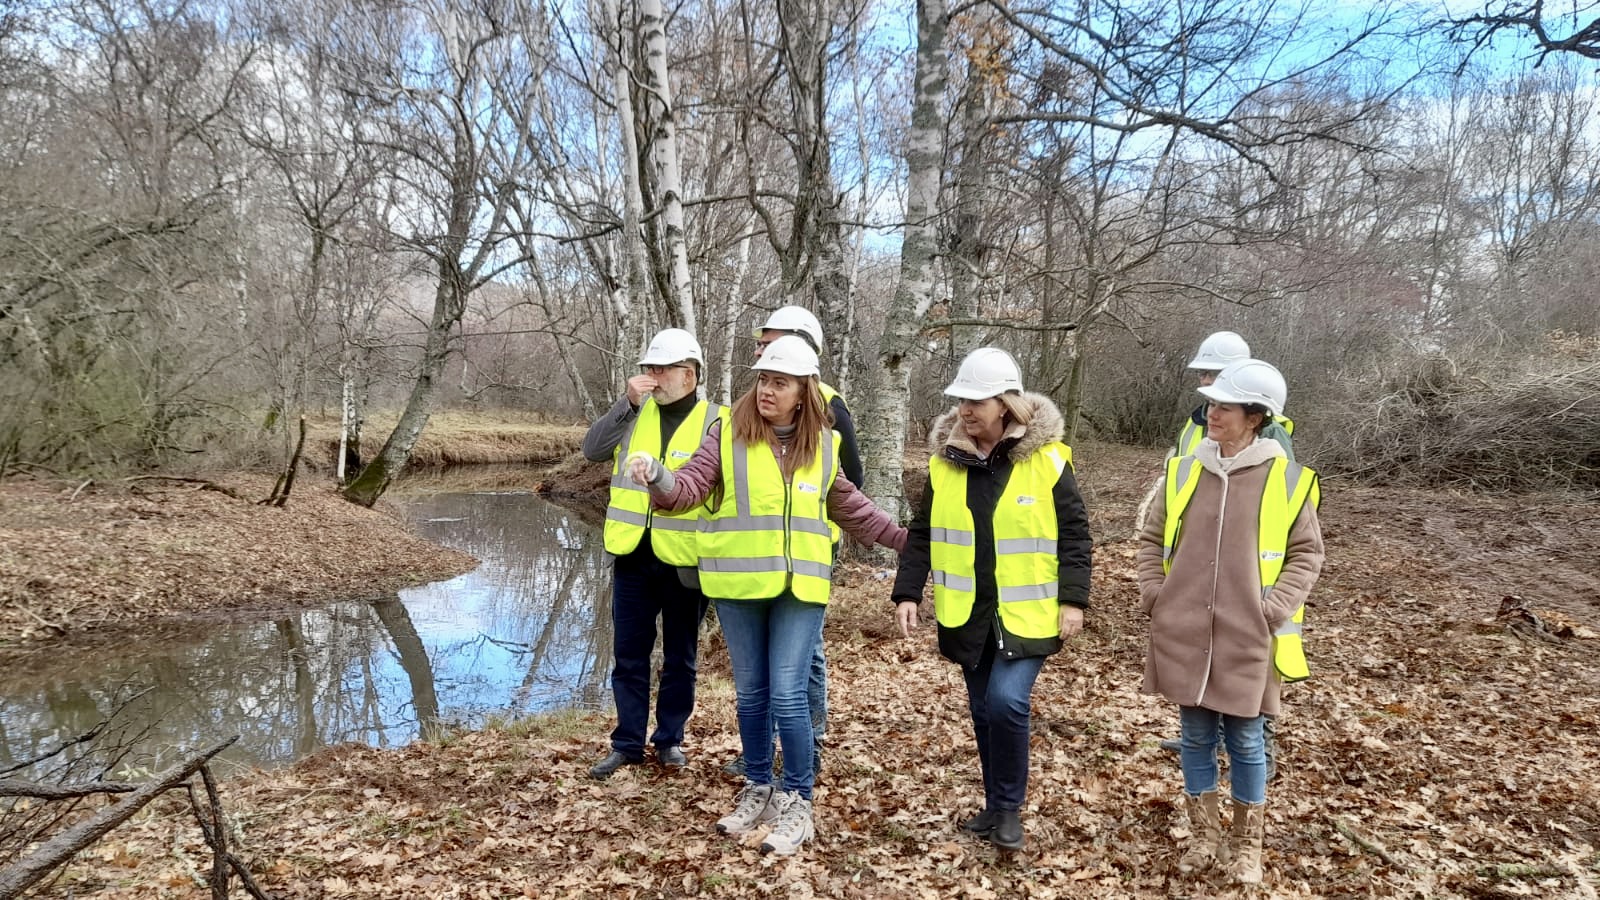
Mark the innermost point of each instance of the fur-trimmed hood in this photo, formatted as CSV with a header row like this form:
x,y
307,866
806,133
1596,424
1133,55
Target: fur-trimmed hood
x,y
1047,426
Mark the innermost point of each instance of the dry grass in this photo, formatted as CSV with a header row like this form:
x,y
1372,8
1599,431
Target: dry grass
x,y
456,438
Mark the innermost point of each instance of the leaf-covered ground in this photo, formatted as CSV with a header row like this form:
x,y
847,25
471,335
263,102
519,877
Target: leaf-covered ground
x,y
89,563
1441,750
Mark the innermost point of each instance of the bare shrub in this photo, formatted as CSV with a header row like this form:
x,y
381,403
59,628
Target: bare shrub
x,y
1524,424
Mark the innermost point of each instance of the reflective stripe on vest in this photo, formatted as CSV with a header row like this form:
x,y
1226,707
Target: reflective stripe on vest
x,y
1024,527
673,536
769,535
1289,486
1190,437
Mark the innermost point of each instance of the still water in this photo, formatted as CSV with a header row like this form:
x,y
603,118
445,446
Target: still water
x,y
525,632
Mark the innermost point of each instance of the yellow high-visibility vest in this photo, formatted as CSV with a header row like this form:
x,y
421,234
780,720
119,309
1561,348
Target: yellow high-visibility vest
x,y
673,536
769,535
1190,437
1289,486
1026,566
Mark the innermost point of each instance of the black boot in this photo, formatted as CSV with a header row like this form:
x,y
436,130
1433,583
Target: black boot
x,y
982,823
612,762
1007,833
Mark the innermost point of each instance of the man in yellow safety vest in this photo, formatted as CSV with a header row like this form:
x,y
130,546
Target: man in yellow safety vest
x,y
660,414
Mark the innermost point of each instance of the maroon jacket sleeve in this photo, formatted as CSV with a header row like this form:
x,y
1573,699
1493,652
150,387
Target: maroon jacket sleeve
x,y
853,512
693,483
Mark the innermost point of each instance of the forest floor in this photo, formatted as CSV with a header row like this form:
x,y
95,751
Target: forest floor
x,y
1448,745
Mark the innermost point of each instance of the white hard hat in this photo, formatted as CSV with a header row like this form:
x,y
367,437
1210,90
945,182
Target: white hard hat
x,y
1250,381
986,372
1218,350
672,345
795,320
790,355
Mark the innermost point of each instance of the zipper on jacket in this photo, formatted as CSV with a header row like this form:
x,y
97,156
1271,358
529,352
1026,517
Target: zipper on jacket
x,y
788,509
1216,573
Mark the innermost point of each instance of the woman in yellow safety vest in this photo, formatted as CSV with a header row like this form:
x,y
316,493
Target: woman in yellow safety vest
x,y
1227,558
771,468
1003,531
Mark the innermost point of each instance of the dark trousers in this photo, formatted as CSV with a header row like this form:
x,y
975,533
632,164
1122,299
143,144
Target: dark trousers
x,y
999,696
644,588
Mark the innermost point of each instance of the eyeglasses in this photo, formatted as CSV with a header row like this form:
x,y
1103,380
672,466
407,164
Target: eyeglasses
x,y
662,370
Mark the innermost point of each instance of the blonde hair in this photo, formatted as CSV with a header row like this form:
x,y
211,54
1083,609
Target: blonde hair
x,y
812,422
1017,408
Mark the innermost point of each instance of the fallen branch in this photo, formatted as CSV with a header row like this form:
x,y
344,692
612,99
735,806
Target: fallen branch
x,y
51,854
80,490
57,628
1368,844
18,787
205,485
217,839
1509,871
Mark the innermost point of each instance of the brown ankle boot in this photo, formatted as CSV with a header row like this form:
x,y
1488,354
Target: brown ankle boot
x,y
1249,823
1205,845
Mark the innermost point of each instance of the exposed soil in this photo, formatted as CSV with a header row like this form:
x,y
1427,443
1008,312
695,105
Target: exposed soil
x,y
1445,747
95,563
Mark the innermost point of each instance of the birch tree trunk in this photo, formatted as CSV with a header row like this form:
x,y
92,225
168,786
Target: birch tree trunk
x,y
377,475
735,292
884,429
968,242
668,178
816,246
633,272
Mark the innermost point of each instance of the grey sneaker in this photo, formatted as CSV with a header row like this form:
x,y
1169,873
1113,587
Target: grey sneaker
x,y
794,826
754,807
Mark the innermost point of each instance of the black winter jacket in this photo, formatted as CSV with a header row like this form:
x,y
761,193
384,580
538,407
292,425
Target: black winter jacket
x,y
986,481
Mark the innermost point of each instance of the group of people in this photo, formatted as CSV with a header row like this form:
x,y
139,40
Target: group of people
x,y
744,506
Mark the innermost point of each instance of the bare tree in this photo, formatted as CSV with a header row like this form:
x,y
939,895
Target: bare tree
x,y
456,119
1569,28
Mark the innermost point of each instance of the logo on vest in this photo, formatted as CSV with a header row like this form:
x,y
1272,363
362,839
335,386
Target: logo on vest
x,y
805,488
1270,555
1026,500
680,454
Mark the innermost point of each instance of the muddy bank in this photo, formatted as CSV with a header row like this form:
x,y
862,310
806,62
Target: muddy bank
x,y
93,563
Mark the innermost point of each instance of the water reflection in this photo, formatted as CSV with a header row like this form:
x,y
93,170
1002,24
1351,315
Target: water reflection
x,y
527,631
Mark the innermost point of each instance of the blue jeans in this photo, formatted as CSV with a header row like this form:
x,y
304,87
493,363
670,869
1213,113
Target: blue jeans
x,y
817,692
771,644
1247,755
644,588
999,696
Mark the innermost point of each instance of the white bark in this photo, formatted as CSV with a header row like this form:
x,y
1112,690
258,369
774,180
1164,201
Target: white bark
x,y
668,178
631,276
884,430
735,291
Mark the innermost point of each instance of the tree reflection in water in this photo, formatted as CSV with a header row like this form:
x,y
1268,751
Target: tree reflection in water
x,y
528,631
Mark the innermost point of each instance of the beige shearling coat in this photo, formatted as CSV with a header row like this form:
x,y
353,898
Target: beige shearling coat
x,y
1210,630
